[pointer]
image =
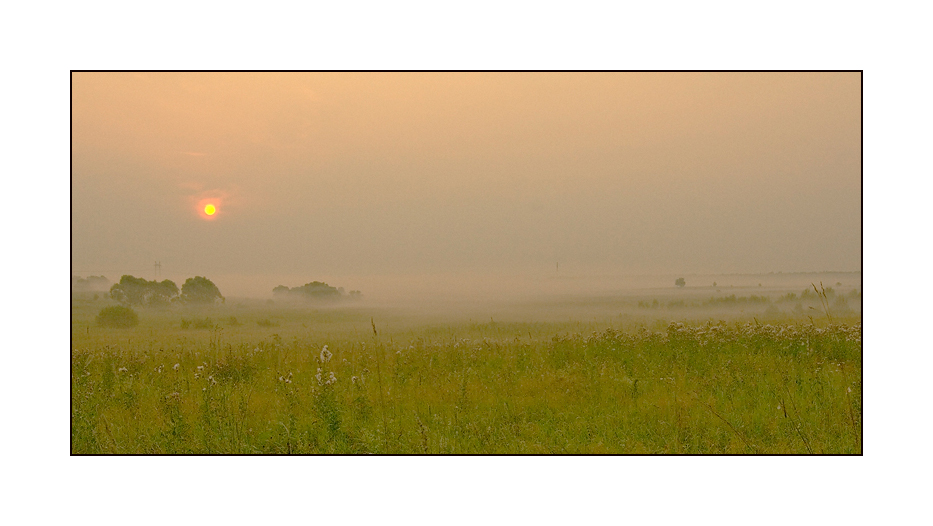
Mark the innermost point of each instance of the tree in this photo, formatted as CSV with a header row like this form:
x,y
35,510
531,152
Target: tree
x,y
92,283
281,290
680,282
138,291
200,290
316,290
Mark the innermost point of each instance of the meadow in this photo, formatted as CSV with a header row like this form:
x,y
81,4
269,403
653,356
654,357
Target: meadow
x,y
662,376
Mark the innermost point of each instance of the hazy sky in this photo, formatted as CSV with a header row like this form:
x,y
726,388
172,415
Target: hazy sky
x,y
324,175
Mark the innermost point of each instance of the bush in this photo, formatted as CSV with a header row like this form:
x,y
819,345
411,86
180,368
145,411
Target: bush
x,y
197,323
117,316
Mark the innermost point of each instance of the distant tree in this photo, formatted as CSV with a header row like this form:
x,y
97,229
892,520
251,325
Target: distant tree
x,y
200,290
680,282
92,283
137,291
316,290
163,292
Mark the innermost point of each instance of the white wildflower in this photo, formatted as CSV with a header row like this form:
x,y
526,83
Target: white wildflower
x,y
325,355
353,379
332,379
200,368
318,376
176,366
121,370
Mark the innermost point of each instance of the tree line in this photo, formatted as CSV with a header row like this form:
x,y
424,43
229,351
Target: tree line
x,y
138,291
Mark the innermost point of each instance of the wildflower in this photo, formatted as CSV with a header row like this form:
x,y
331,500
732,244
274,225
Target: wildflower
x,y
200,368
352,379
176,367
318,376
211,380
121,370
325,354
332,379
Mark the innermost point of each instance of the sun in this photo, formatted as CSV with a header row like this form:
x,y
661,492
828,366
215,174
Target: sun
x,y
209,208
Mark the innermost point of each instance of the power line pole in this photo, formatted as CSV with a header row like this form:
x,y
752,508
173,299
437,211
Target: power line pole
x,y
158,269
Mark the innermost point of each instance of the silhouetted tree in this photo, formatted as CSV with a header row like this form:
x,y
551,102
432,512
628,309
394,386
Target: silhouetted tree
x,y
680,282
200,290
316,290
137,291
91,283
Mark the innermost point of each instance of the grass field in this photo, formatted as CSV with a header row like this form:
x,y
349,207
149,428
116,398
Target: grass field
x,y
253,377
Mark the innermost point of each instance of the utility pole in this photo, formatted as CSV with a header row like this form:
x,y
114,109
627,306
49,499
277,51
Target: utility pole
x,y
158,269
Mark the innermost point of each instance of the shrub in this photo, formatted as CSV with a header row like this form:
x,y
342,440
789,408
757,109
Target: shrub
x,y
197,323
117,316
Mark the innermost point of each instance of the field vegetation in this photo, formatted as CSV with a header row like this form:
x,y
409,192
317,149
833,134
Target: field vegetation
x,y
252,377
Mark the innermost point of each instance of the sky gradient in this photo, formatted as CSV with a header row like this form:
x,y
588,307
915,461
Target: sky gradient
x,y
357,177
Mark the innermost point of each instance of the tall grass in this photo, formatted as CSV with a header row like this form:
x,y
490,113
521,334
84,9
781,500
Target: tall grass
x,y
468,388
